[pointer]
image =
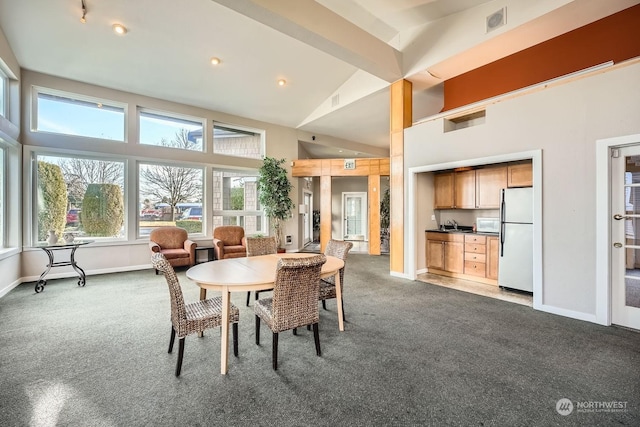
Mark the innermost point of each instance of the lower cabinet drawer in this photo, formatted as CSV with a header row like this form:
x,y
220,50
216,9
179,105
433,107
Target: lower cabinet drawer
x,y
472,256
475,268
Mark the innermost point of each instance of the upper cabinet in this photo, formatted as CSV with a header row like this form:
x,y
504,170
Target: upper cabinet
x,y
444,190
479,188
489,182
520,175
465,194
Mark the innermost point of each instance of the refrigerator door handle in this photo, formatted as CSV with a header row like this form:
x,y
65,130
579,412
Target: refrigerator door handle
x,y
502,222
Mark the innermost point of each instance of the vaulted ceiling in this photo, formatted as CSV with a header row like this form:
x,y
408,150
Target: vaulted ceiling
x,y
338,57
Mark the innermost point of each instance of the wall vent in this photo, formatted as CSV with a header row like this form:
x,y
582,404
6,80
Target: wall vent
x,y
496,19
335,100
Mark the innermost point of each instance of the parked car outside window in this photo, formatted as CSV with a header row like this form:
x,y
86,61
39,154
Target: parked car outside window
x,y
73,216
192,213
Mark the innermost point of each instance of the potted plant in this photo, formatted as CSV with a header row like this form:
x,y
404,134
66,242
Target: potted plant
x,y
273,190
316,226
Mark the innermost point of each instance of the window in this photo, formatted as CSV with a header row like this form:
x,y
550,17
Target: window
x,y
4,93
79,116
2,197
82,196
167,193
166,131
235,200
237,142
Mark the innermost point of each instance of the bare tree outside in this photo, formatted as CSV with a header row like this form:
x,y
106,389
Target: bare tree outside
x,y
172,184
79,173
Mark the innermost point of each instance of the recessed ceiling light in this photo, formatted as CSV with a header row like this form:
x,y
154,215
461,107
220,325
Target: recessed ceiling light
x,y
119,29
215,61
282,82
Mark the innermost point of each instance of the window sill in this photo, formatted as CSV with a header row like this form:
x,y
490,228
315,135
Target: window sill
x,y
8,252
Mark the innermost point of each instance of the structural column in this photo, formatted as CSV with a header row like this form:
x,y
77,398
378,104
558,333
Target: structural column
x,y
401,118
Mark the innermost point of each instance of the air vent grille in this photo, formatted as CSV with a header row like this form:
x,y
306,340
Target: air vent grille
x,y
496,19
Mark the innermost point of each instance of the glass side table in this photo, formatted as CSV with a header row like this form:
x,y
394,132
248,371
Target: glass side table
x,y
50,250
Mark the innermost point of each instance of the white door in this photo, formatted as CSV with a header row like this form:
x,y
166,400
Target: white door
x,y
625,235
354,216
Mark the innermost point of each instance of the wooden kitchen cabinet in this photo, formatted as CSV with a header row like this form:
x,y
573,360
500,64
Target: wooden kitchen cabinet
x,y
444,190
445,251
520,175
465,193
493,252
489,182
475,250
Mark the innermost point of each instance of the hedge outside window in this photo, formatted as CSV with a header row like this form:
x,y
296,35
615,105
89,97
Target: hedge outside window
x,y
170,195
82,196
76,115
169,131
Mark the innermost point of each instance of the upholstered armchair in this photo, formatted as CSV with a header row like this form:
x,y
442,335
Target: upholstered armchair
x,y
229,242
174,244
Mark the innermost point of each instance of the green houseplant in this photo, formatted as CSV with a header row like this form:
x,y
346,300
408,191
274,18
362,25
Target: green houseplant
x,y
273,189
385,220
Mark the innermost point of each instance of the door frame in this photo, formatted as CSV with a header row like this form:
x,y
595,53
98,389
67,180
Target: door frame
x,y
603,218
307,200
364,215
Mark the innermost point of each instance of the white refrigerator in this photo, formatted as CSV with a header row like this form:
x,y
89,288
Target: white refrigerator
x,y
515,263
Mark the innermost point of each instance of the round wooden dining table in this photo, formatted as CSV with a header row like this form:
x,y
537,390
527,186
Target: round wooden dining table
x,y
245,274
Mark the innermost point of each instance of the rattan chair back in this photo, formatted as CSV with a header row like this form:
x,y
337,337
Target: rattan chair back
x,y
257,246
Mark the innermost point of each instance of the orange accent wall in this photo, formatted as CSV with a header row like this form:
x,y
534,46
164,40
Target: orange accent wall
x,y
614,38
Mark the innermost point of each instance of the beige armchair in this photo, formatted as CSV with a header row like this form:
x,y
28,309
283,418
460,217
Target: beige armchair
x,y
174,244
229,242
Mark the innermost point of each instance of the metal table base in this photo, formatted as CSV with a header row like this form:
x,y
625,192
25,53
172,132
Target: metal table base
x,y
50,250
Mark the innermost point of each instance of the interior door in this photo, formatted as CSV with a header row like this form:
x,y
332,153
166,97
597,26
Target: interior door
x,y
625,234
354,216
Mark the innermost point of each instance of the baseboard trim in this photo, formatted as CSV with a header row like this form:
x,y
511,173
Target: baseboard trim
x,y
68,274
587,317
9,287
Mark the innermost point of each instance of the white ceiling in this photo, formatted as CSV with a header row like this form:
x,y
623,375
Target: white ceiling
x,y
347,51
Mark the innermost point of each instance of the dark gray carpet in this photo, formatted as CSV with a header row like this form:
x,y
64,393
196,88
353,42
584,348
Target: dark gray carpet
x,y
411,354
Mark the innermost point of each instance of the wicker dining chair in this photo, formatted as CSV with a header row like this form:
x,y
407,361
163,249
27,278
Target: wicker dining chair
x,y
257,246
295,300
338,249
194,317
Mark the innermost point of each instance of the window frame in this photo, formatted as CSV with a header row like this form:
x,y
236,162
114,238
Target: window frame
x,y
170,115
158,162
264,221
239,129
37,90
4,93
33,156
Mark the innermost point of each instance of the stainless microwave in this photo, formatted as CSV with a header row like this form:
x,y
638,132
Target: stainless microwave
x,y
488,225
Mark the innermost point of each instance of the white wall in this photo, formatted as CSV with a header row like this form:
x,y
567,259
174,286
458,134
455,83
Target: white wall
x,y
564,121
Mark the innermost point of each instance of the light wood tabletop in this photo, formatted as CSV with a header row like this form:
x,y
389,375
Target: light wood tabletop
x,y
251,274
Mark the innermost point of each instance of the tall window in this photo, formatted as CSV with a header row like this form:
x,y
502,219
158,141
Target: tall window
x,y
235,200
77,115
4,93
233,141
82,196
3,213
170,195
168,131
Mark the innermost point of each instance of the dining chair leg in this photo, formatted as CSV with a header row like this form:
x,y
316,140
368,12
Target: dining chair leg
x,y
257,330
295,331
274,351
248,298
316,338
180,353
324,304
343,316
308,327
172,339
234,326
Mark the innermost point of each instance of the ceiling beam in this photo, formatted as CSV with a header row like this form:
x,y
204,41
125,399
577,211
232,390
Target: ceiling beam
x,y
315,25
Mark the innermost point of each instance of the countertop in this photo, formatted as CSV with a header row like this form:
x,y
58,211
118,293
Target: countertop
x,y
461,230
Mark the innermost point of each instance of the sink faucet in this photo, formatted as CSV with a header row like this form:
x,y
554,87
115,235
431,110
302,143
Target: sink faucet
x,y
453,222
